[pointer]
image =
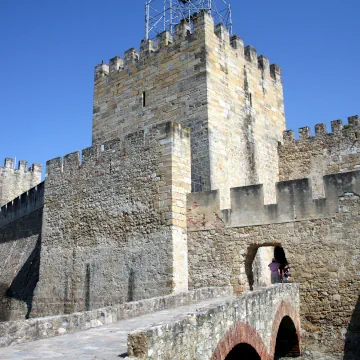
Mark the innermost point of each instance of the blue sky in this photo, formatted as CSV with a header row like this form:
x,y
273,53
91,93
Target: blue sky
x,y
49,49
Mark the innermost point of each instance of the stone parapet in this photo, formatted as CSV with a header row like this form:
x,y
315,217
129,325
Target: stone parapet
x,y
226,93
294,203
322,154
212,332
338,131
22,331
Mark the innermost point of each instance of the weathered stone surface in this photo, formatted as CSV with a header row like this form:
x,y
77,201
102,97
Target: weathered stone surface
x,y
17,332
25,204
213,331
323,253
115,225
260,269
20,243
232,102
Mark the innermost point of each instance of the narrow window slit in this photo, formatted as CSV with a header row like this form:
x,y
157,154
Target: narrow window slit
x,y
250,99
144,99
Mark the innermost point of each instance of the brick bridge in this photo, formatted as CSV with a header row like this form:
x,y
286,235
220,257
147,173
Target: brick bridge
x,y
202,325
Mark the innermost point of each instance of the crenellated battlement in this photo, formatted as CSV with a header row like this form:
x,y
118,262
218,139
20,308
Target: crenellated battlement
x,y
22,205
117,151
93,155
322,154
338,129
166,42
97,155
294,202
16,180
9,164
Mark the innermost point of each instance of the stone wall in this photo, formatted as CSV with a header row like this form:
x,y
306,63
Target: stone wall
x,y
20,242
15,181
325,153
115,225
323,253
230,98
212,332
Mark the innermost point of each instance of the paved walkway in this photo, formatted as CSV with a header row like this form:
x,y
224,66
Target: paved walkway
x,y
104,343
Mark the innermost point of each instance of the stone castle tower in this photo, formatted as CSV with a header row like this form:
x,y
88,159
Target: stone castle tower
x,y
230,98
189,174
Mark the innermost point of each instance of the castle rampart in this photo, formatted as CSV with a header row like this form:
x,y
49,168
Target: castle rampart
x,y
115,222
15,181
194,110
230,97
24,204
322,154
320,239
294,203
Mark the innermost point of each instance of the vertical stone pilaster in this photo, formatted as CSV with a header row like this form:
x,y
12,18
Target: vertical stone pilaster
x,y
176,170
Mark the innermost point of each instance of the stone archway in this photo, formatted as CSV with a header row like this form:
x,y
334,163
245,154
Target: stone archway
x,y
256,264
238,334
285,338
287,342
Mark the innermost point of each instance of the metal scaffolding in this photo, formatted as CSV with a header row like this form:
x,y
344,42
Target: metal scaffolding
x,y
162,15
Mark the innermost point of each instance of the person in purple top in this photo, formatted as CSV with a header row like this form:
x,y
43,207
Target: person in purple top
x,y
274,267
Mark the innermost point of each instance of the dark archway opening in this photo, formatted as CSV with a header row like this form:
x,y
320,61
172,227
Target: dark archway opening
x,y
257,261
243,351
279,255
287,341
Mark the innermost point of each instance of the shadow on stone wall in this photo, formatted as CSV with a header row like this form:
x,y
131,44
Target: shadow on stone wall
x,y
5,303
352,340
23,286
131,286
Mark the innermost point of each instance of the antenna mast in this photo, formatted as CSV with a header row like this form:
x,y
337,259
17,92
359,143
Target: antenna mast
x,y
163,15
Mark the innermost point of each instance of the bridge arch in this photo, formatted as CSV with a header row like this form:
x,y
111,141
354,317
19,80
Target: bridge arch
x,y
242,338
285,338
